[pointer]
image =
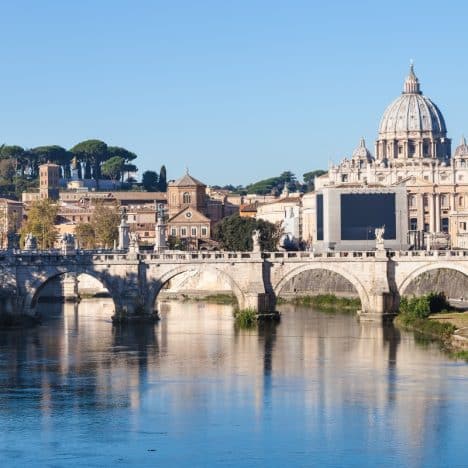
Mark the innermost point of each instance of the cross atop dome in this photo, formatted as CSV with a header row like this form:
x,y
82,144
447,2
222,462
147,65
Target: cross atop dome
x,y
411,85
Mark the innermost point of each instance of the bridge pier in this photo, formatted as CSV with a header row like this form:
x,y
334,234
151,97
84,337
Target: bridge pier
x,y
380,308
263,303
70,287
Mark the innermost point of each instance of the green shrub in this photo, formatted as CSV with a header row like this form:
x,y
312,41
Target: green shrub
x,y
245,318
415,307
422,307
438,302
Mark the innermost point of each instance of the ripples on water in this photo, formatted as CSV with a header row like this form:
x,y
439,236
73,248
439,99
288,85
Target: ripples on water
x,y
316,390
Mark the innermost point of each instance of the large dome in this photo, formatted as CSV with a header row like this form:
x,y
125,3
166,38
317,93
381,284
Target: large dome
x,y
412,113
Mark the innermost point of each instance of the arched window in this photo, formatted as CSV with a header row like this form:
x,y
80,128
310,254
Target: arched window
x,y
186,198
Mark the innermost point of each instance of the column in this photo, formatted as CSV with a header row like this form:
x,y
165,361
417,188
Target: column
x,y
437,212
420,206
431,213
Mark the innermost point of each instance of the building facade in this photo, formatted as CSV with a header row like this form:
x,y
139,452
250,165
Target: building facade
x,y
412,149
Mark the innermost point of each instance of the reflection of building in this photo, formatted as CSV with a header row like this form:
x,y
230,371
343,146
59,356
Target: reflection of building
x,y
413,150
11,217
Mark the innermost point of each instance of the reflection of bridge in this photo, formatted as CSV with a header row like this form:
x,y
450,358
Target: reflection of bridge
x,y
134,280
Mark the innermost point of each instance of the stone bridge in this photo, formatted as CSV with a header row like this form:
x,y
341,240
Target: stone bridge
x,y
134,280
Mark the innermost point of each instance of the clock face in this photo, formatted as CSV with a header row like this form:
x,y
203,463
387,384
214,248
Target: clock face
x,y
188,214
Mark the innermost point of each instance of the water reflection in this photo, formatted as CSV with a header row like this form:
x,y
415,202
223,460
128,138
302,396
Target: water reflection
x,y
316,389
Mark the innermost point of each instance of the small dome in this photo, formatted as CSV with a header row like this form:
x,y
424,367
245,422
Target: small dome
x,y
361,152
461,149
412,112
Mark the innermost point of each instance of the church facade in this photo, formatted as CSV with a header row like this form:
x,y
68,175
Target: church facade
x,y
413,149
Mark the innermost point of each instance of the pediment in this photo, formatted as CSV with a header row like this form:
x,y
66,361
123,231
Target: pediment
x,y
189,215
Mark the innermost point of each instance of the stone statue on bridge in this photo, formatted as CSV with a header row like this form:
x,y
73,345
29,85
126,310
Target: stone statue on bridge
x,y
134,245
68,244
256,240
379,239
30,242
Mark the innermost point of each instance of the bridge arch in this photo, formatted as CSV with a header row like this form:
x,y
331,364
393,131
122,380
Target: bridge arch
x,y
363,295
406,281
158,283
37,285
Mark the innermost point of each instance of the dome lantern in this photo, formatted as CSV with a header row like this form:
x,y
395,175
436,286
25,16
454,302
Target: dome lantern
x,y
411,85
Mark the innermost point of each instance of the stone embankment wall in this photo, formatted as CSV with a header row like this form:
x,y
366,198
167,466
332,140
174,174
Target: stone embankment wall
x,y
315,282
196,284
87,287
453,283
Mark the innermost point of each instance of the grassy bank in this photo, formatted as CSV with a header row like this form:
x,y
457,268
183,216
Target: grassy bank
x,y
430,316
228,299
325,302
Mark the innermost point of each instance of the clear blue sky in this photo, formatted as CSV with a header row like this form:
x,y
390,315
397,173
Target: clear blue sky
x,y
235,90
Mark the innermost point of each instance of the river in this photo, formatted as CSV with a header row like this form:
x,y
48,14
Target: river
x,y
318,389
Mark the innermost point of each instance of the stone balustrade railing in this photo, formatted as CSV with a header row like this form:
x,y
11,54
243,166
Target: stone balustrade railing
x,y
110,256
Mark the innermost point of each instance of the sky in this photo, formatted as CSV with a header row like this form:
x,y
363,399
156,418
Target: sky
x,y
236,91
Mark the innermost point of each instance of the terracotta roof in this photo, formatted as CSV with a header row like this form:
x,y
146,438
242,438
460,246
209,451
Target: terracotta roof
x,y
283,200
187,181
139,195
249,207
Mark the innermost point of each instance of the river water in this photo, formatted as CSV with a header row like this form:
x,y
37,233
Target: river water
x,y
317,389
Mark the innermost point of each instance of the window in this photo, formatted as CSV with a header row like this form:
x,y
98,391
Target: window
x,y
411,149
193,232
425,201
344,177
426,149
173,232
204,231
445,224
461,201
183,232
463,226
413,224
412,201
444,201
186,198
146,234
426,227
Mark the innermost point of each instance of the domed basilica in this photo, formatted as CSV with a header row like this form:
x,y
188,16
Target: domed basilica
x,y
412,149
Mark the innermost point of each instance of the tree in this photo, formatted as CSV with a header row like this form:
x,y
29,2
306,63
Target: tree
x,y
126,155
113,167
162,184
54,154
7,169
41,223
85,236
105,221
92,153
235,233
150,181
309,179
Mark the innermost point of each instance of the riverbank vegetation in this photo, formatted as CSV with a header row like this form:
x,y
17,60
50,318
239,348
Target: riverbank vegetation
x,y
220,298
430,316
324,302
245,318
